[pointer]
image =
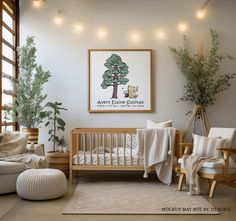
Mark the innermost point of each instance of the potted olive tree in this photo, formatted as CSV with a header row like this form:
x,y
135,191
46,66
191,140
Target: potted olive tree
x,y
30,98
204,78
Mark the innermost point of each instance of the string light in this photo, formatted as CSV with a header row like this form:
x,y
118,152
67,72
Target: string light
x,y
78,28
135,37
200,14
182,27
102,33
160,34
58,19
37,4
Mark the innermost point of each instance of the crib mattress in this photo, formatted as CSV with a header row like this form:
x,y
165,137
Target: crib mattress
x,y
117,159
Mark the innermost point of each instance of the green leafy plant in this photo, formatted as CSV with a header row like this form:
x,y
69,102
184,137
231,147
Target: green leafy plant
x,y
8,110
62,142
56,122
12,80
29,86
115,74
7,114
204,80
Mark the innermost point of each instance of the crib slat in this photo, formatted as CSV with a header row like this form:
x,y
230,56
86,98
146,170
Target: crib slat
x,y
138,156
131,148
77,147
111,141
124,149
138,159
103,146
106,144
97,139
84,149
91,149
117,148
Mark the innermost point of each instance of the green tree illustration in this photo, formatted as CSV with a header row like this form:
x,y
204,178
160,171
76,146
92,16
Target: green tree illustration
x,y
115,74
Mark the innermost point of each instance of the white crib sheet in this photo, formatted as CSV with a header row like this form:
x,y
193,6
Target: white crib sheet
x,y
79,159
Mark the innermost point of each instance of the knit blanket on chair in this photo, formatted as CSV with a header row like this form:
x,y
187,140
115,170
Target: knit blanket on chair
x,y
192,164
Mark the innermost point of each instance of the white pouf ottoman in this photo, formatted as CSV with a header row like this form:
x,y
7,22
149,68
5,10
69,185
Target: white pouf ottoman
x,y
41,184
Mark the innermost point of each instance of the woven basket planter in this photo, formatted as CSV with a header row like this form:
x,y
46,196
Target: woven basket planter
x,y
33,134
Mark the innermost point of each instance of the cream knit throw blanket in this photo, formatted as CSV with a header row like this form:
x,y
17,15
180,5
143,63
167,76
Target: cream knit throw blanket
x,y
156,147
192,164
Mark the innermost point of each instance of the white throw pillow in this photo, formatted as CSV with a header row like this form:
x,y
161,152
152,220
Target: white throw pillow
x,y
207,146
155,125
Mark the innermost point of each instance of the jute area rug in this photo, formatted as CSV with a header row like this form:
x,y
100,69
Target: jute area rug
x,y
135,198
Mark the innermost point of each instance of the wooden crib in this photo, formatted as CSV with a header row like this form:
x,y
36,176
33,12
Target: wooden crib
x,y
106,149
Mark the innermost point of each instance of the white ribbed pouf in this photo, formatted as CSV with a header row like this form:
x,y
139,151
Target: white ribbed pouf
x,y
41,184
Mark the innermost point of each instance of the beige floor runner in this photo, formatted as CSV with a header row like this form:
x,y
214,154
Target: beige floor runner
x,y
135,198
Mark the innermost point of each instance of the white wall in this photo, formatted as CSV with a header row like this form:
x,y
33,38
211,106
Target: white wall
x,y
65,53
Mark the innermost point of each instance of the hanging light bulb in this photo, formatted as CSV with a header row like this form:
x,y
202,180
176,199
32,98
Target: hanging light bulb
x,y
200,14
160,34
182,27
135,37
102,33
37,3
58,19
78,27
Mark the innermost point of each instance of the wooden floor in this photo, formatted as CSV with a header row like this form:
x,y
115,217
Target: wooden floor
x,y
225,198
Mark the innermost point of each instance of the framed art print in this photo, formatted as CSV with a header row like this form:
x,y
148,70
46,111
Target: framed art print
x,y
120,80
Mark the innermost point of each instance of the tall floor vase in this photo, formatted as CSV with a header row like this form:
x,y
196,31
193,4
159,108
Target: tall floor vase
x,y
198,114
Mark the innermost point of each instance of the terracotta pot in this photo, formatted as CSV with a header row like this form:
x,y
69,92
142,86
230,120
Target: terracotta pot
x,y
33,134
